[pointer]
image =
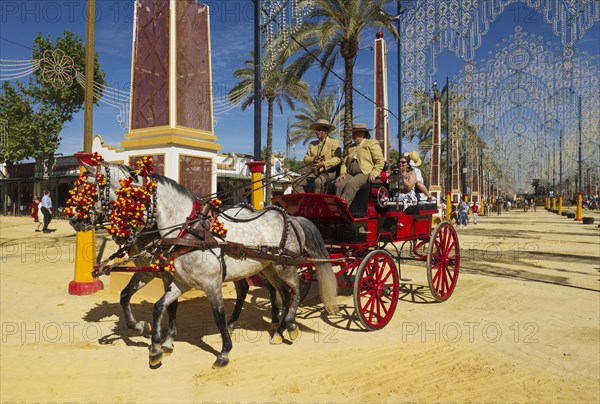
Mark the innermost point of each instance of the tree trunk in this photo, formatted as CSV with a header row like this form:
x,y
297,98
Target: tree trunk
x,y
40,169
267,182
348,103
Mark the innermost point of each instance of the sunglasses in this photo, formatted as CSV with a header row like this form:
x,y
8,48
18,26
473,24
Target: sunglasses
x,y
322,129
402,162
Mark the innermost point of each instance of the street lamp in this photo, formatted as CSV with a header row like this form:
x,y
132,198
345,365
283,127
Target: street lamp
x,y
399,42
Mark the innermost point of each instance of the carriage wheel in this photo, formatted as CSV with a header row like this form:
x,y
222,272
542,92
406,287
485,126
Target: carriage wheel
x,y
306,277
443,261
376,290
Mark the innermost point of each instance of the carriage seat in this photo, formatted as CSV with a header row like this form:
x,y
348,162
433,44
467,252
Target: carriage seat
x,y
421,207
360,205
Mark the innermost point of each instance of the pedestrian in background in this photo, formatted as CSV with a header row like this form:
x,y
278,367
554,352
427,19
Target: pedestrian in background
x,y
47,211
34,209
475,210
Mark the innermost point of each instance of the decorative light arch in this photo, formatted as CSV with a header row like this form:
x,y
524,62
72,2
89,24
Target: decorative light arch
x,y
430,26
526,95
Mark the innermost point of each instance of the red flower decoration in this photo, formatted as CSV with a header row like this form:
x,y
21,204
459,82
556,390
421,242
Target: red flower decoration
x,y
130,205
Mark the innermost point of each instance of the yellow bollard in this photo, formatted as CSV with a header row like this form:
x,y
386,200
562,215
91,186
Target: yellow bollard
x,y
559,212
482,206
547,203
257,198
579,211
83,282
553,203
448,206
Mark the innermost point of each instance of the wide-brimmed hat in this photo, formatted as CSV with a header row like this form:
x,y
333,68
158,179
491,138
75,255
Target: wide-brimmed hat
x,y
322,122
414,156
361,128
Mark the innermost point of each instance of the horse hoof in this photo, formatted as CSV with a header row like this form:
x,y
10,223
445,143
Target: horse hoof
x,y
220,363
147,329
155,361
143,328
276,339
294,334
232,326
274,326
167,350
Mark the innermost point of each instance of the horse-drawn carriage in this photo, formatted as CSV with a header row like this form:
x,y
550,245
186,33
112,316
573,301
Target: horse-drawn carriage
x,y
307,232
361,240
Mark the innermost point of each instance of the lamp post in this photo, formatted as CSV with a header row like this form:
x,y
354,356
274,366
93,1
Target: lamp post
x,y
560,173
397,17
257,80
465,152
448,140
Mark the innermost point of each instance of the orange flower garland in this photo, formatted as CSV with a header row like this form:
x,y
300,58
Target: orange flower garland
x,y
97,158
83,199
217,228
130,206
83,196
156,265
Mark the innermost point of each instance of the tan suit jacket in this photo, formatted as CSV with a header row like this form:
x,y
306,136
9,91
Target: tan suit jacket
x,y
369,155
330,151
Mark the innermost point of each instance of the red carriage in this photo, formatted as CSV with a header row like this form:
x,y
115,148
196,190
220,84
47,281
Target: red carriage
x,y
361,242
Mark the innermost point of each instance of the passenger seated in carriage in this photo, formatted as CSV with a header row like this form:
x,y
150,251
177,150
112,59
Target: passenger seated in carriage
x,y
405,192
363,162
415,162
322,160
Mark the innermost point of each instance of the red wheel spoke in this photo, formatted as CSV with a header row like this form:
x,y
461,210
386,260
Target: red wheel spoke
x,y
451,247
387,276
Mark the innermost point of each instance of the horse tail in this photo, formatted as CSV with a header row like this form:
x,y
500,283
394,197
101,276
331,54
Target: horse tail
x,y
315,246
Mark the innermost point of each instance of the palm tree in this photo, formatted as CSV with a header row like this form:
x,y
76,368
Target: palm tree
x,y
279,85
419,123
320,106
334,35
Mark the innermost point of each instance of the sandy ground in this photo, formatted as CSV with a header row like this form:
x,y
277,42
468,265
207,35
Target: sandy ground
x,y
522,326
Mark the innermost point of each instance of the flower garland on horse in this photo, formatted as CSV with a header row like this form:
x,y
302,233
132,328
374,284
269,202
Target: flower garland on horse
x,y
134,206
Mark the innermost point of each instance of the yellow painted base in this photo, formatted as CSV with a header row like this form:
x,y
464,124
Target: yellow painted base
x,y
85,257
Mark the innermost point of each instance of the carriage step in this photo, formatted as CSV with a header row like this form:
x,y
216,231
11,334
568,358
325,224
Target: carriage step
x,y
405,279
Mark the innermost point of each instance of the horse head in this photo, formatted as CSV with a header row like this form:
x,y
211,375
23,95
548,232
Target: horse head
x,y
105,179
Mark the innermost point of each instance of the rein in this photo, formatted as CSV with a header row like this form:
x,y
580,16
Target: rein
x,y
134,214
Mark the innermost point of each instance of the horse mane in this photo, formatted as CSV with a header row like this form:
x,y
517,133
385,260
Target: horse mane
x,y
161,179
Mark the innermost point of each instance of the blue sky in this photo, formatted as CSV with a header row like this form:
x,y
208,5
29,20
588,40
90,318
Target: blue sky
x,y
231,40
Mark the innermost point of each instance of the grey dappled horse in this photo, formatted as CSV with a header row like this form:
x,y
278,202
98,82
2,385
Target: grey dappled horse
x,y
208,269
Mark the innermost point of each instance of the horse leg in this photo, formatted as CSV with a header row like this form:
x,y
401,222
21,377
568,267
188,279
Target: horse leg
x,y
167,345
241,291
138,281
289,275
160,306
215,298
282,278
274,306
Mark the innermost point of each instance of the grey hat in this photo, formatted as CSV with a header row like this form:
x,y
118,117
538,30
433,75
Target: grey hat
x,y
361,128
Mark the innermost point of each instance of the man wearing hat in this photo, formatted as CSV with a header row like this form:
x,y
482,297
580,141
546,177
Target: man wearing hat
x,y
322,159
415,162
363,162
